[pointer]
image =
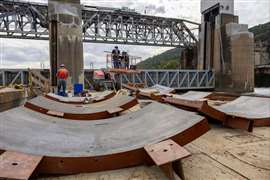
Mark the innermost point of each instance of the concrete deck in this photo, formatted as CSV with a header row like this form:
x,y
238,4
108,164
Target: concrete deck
x,y
222,153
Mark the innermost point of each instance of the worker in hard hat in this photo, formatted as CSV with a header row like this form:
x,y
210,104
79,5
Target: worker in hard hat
x,y
116,57
62,76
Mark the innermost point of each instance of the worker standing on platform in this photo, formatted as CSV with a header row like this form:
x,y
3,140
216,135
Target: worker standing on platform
x,y
125,60
62,76
116,57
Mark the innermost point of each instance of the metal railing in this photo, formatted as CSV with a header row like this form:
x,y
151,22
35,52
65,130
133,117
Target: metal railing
x,y
9,77
177,79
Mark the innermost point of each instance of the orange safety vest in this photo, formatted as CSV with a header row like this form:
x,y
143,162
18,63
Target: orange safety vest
x,y
62,73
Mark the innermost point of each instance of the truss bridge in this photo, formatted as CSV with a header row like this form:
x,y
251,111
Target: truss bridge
x,y
25,20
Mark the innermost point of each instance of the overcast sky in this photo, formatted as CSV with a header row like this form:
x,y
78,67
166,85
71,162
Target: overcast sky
x,y
16,53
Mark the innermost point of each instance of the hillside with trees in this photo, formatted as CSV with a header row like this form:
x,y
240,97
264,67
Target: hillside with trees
x,y
170,59
167,60
261,33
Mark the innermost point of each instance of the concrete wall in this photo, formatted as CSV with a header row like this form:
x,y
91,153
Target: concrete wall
x,y
67,42
201,46
11,98
262,56
226,47
234,63
242,54
220,22
189,58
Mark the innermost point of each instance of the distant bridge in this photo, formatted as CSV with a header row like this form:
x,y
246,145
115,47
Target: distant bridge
x,y
25,20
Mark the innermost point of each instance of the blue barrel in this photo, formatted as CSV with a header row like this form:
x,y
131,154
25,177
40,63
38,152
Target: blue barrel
x,y
78,88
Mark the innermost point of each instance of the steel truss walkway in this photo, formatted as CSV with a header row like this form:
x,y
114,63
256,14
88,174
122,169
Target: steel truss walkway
x,y
101,25
177,79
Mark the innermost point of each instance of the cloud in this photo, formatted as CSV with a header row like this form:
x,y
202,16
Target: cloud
x,y
153,9
16,53
252,12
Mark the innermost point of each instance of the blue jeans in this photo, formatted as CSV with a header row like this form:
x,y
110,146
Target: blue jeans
x,y
127,65
62,84
116,63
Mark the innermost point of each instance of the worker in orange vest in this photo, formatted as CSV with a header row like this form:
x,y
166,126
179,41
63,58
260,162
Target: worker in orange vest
x,y
62,76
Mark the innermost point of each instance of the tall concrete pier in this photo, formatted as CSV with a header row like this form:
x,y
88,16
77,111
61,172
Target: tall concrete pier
x,y
66,45
226,46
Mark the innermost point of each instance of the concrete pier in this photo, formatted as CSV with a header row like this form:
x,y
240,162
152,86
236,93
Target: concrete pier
x,y
66,45
226,46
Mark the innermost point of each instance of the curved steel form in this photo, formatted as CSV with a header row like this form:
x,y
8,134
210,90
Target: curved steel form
x,y
196,105
193,95
195,101
156,92
244,112
95,111
89,146
95,97
103,25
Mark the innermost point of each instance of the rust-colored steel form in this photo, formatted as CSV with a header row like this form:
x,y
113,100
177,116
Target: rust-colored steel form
x,y
244,112
71,147
151,95
192,100
130,87
224,96
168,156
219,96
95,111
15,165
198,106
95,97
156,92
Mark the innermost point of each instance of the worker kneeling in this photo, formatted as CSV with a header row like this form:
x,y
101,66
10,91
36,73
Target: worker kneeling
x,y
62,76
